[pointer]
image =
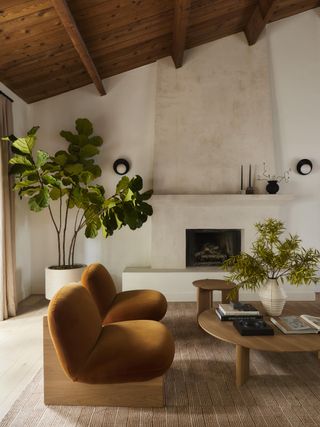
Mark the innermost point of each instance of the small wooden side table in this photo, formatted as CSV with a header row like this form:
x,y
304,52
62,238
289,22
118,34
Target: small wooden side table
x,y
206,287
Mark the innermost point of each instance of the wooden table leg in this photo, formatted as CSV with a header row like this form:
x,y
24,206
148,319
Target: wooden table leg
x,y
242,364
204,300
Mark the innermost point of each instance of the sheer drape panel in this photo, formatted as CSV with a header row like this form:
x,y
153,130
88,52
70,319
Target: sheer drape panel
x,y
7,226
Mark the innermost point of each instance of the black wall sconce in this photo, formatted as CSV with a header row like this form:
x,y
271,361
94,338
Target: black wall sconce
x,y
121,166
304,167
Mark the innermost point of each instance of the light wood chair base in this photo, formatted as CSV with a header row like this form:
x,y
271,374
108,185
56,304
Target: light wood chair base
x,y
61,390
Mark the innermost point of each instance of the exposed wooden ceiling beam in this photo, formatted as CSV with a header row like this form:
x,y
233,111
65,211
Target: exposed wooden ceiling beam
x,y
181,17
67,20
258,20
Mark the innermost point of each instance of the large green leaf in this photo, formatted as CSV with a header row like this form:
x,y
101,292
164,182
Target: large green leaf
x,y
95,171
109,222
22,170
51,180
82,140
55,193
23,184
96,140
20,160
74,149
84,127
69,136
51,167
128,195
136,183
91,231
95,198
42,157
40,201
74,169
25,145
146,208
86,177
29,191
61,157
31,174
80,197
122,184
130,215
146,195
33,131
88,151
67,181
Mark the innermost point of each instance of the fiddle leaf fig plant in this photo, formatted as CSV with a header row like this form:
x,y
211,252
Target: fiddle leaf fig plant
x,y
67,179
273,257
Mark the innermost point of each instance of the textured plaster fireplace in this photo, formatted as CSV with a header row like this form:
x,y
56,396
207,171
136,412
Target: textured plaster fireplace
x,y
174,214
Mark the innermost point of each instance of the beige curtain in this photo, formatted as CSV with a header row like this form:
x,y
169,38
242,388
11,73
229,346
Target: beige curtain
x,y
7,233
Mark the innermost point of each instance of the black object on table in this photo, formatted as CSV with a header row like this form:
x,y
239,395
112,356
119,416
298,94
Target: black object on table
x,y
253,327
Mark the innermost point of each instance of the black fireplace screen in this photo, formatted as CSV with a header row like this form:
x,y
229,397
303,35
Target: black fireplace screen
x,y
211,247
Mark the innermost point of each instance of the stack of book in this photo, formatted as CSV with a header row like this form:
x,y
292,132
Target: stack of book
x,y
238,311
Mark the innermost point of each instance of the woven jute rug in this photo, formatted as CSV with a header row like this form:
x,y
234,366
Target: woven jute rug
x,y
283,389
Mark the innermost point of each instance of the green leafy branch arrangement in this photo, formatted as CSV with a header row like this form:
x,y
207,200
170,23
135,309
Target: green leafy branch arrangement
x,y
67,179
273,258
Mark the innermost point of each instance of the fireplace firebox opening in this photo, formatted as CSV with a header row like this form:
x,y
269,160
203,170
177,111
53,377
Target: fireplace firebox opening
x,y
211,247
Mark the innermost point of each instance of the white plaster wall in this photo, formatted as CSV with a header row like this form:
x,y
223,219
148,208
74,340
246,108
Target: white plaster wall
x,y
21,118
124,118
212,115
294,49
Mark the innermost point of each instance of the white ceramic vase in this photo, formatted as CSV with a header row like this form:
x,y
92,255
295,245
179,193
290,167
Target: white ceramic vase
x,y
273,297
55,278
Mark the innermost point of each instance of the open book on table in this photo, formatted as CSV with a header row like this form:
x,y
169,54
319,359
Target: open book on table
x,y
303,324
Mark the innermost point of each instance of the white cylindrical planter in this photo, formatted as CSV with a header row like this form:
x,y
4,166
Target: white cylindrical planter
x,y
56,278
273,297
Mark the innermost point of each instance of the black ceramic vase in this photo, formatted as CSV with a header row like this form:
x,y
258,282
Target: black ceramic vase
x,y
272,187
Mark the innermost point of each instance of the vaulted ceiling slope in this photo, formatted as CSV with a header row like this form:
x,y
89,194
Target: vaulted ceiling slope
x,y
48,47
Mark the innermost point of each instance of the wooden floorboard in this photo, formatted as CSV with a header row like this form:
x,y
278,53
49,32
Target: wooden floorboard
x,y
20,349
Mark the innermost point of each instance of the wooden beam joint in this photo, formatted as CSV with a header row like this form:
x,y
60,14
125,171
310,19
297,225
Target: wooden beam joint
x,y
259,19
67,20
181,18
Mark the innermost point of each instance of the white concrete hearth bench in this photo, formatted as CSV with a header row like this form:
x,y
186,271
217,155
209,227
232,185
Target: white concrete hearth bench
x,y
176,284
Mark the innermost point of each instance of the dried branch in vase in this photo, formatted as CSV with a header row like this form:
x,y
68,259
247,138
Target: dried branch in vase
x,y
268,177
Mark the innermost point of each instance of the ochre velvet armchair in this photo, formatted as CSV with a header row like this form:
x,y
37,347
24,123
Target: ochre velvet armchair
x,y
119,364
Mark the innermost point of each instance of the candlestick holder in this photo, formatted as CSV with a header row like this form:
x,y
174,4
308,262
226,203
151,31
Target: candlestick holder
x,y
250,189
242,190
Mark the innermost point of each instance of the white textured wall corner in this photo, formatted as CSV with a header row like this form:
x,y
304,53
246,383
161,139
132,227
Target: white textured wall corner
x,y
125,120
294,46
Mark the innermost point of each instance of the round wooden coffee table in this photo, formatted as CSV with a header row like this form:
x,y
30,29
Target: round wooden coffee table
x,y
280,342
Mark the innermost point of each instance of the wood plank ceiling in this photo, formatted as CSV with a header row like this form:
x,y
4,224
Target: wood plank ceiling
x,y
40,40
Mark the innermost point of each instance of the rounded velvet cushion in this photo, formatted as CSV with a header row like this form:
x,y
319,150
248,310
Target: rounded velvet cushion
x,y
97,280
135,305
74,325
136,350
